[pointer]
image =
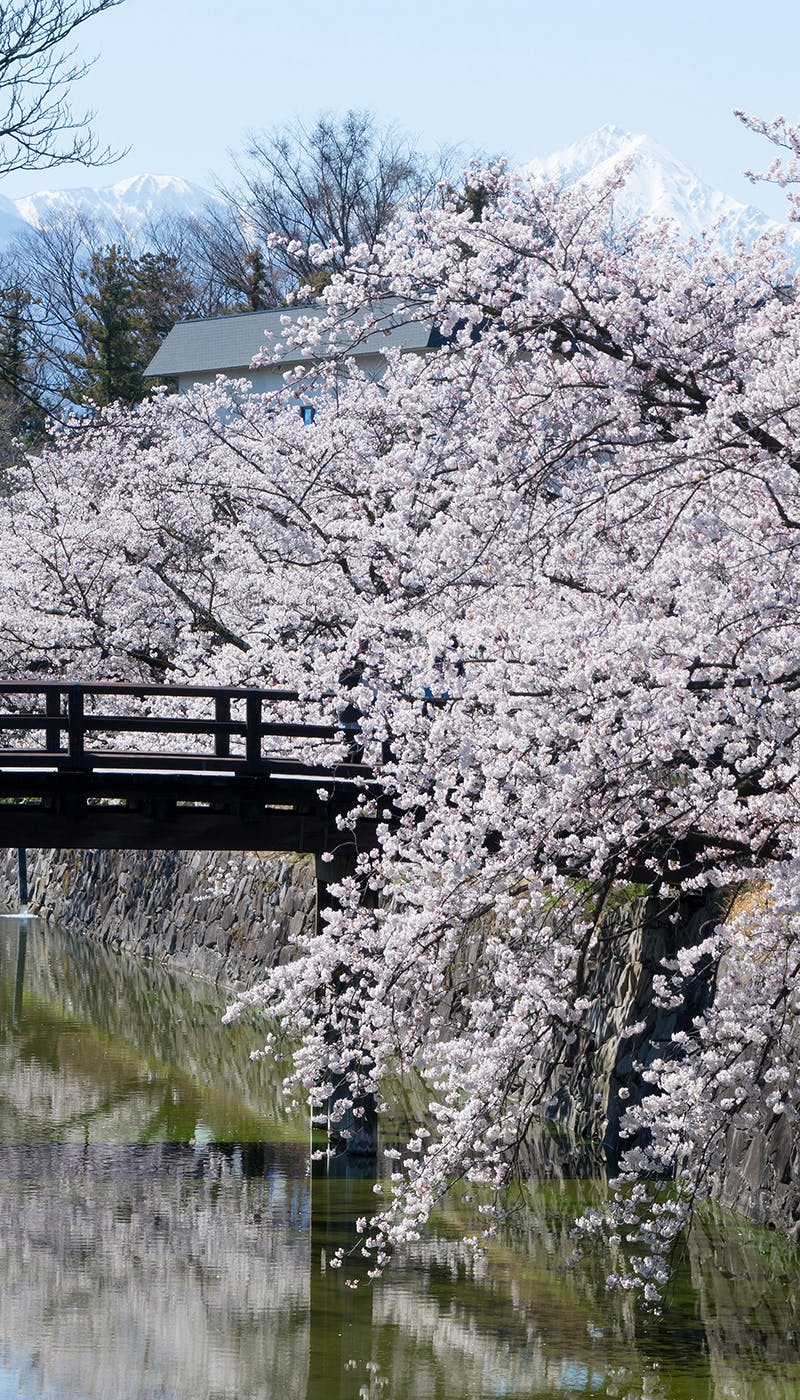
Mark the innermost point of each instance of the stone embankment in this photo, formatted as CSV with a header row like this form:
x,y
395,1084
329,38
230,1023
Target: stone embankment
x,y
761,1176
220,916
227,917
601,1074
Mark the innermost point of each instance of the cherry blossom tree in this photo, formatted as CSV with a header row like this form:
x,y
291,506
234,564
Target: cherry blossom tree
x,y
563,547
784,168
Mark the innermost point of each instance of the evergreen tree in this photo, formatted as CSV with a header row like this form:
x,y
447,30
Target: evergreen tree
x,y
257,283
164,294
22,412
110,366
130,305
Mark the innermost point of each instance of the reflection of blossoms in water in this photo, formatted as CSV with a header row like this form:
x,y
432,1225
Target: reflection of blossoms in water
x,y
227,1236
376,1383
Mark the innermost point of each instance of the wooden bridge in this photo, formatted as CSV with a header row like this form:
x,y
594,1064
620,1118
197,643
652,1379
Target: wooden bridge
x,y
254,769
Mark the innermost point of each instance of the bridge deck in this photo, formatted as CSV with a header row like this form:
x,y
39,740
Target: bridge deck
x,y
219,791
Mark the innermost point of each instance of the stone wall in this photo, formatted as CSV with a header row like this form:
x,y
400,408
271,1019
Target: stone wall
x,y
227,917
760,1174
625,1029
219,915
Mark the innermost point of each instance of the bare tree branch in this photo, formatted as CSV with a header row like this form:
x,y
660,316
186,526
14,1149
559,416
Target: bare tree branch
x,y
38,68
338,182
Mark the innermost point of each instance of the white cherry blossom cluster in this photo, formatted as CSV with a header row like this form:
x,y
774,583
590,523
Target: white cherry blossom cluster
x,y
564,545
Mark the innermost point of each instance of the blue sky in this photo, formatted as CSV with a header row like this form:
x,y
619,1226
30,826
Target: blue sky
x,y
181,82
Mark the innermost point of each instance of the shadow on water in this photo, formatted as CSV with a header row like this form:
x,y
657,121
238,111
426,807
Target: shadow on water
x,y
342,1315
19,970
162,1234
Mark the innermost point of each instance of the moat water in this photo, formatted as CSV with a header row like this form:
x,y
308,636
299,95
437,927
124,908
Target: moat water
x,y
161,1235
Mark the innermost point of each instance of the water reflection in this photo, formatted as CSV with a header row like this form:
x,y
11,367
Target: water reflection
x,y
342,1326
19,970
160,1235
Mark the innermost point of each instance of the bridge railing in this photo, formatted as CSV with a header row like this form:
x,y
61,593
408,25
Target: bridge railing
x,y
230,733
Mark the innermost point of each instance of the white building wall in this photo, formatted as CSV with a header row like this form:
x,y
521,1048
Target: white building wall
x,y
268,379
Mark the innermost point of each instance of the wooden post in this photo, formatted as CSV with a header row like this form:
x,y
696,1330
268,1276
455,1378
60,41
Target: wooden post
x,y
52,729
355,1133
222,715
252,738
75,721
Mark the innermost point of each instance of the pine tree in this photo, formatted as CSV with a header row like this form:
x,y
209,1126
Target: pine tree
x,y
131,305
164,294
110,367
22,412
257,282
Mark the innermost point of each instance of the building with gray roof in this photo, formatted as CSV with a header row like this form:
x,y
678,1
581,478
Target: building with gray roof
x,y
195,352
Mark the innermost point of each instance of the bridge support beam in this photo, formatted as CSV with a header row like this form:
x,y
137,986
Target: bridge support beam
x,y
22,878
354,1134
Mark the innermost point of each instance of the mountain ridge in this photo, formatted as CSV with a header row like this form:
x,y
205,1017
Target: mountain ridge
x,y
657,186
131,203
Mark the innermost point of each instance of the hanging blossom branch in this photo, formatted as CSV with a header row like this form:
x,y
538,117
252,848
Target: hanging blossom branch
x,y
556,558
783,170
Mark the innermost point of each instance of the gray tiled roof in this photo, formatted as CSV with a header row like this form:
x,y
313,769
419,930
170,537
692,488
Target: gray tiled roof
x,y
223,343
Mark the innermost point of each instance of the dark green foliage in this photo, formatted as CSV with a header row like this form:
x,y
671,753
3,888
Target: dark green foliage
x,y
129,307
22,412
110,368
474,198
257,282
164,292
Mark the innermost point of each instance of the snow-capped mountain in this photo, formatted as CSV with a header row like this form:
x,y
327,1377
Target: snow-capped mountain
x,y
657,186
133,204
